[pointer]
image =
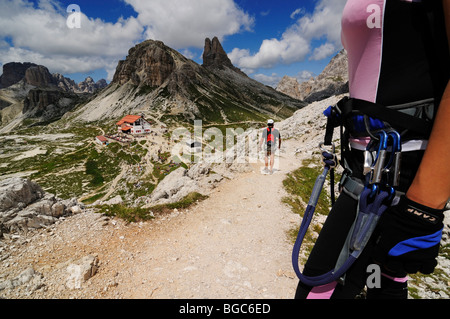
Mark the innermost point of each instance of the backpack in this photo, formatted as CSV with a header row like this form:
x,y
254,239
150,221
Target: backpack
x,y
270,137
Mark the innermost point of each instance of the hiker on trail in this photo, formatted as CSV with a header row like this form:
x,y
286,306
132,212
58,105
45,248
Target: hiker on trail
x,y
398,58
269,138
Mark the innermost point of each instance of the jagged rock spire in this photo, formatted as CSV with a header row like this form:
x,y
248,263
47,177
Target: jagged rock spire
x,y
214,55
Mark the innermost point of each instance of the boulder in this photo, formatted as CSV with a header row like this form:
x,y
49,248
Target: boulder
x,y
25,205
81,271
183,182
18,193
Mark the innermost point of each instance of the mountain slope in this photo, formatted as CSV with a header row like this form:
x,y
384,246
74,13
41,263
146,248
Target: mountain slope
x,y
160,82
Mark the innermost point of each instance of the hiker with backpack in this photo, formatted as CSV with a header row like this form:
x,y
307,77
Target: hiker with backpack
x,y
270,136
395,145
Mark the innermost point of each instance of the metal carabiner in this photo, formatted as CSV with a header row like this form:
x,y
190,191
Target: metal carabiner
x,y
377,171
395,159
329,158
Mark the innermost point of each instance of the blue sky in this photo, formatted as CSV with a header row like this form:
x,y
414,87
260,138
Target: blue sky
x,y
266,39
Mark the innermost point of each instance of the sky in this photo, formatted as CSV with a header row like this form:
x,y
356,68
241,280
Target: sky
x,y
79,38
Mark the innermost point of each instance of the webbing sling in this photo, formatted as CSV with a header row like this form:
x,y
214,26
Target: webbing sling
x,y
372,203
362,229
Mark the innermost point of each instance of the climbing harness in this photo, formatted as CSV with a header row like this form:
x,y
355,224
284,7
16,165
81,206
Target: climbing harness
x,y
387,125
381,169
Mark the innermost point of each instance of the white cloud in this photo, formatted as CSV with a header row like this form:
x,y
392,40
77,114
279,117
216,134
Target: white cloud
x,y
296,12
323,52
182,24
295,43
303,76
271,80
289,49
40,35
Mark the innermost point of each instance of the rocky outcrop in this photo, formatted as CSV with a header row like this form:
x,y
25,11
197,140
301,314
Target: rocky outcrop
x,y
215,57
332,81
45,104
290,86
25,205
89,86
64,83
149,63
201,178
39,76
182,182
13,73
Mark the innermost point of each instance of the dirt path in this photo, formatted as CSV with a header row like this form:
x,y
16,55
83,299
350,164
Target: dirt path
x,y
233,245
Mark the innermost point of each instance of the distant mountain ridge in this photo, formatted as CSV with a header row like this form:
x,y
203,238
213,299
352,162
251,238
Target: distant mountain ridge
x,y
158,80
40,76
332,81
154,80
30,94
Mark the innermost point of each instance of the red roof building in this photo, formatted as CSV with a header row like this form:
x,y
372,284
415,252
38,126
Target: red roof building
x,y
101,139
134,124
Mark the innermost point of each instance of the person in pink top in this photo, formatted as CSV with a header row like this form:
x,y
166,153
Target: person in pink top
x,y
398,59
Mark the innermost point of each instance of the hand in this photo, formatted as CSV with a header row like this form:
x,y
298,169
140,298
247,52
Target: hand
x,y
409,238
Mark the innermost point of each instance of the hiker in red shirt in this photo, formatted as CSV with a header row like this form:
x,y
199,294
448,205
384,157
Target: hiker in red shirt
x,y
270,136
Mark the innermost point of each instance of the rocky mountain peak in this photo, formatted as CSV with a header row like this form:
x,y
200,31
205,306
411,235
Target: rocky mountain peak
x,y
30,73
148,63
215,57
158,78
13,73
39,76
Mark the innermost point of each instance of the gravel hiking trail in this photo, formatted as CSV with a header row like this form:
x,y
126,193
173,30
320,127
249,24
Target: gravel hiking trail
x,y
233,245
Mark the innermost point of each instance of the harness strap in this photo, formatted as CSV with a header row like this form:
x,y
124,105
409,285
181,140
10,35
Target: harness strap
x,y
351,106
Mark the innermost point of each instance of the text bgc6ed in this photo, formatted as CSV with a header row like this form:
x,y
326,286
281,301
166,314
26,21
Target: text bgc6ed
x,y
246,308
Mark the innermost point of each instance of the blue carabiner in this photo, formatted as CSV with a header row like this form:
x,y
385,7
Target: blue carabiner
x,y
396,146
392,169
383,144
